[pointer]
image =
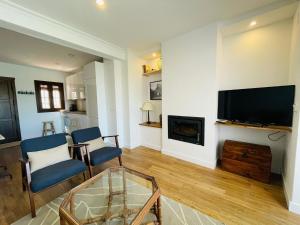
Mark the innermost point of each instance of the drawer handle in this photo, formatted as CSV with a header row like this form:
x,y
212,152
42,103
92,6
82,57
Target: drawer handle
x,y
244,155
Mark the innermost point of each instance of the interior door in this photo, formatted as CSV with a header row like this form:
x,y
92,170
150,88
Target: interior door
x,y
9,119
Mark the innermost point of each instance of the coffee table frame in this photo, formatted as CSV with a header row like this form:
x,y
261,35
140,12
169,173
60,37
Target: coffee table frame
x,y
66,209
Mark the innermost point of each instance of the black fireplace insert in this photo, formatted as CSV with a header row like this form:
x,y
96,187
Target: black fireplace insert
x,y
187,129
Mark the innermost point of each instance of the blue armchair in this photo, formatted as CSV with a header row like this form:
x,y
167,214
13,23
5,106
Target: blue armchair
x,y
40,179
101,155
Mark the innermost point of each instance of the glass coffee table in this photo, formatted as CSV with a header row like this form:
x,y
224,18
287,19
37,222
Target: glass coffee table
x,y
117,196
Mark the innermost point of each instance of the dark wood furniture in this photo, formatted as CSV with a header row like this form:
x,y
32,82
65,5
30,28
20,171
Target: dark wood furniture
x,y
9,117
4,173
249,160
49,86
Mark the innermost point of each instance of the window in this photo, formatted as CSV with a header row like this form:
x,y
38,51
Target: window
x,y
49,96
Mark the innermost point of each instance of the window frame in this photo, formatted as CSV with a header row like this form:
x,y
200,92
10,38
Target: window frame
x,y
37,85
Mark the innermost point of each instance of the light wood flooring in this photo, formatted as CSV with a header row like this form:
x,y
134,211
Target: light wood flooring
x,y
227,197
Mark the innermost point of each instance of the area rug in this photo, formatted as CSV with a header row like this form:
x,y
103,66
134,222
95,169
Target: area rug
x,y
93,202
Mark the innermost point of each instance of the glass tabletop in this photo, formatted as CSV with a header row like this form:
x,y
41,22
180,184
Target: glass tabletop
x,y
116,196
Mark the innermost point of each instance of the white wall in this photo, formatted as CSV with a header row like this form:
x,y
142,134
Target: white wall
x,y
151,137
257,58
190,89
291,171
122,102
110,97
136,98
30,119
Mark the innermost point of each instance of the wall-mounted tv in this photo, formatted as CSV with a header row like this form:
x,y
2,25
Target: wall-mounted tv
x,y
265,106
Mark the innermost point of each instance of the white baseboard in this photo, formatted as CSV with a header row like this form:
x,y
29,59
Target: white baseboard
x,y
286,195
208,164
125,146
154,147
131,147
292,206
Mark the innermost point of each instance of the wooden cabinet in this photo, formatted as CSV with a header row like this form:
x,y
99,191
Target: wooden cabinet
x,y
93,76
75,87
247,159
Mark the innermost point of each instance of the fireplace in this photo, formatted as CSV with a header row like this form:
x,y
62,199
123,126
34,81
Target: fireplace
x,y
186,129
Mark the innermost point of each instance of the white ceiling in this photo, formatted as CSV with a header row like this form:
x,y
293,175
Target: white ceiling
x,y
141,24
264,19
21,49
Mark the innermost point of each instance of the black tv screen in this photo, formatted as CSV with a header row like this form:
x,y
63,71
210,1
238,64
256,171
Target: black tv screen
x,y
266,106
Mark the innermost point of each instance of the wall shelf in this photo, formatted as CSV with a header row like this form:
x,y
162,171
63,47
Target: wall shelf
x,y
152,124
152,72
258,127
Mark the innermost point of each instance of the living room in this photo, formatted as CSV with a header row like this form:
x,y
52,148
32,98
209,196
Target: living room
x,y
162,95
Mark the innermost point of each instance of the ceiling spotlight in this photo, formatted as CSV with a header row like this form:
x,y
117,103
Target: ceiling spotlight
x,y
100,2
253,23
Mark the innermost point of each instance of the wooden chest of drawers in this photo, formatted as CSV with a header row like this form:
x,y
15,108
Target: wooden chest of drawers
x,y
247,159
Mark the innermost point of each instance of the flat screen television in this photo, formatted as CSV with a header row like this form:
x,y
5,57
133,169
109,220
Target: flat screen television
x,y
265,106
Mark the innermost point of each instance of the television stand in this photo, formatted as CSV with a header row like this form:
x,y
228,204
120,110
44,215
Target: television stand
x,y
254,126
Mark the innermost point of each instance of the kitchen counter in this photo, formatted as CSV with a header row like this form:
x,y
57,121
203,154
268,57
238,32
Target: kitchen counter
x,y
75,112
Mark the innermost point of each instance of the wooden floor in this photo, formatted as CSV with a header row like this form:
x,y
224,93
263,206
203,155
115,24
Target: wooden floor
x,y
227,197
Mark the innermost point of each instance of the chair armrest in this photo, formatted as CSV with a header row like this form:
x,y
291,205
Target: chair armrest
x,y
114,136
71,147
26,169
23,161
109,136
78,145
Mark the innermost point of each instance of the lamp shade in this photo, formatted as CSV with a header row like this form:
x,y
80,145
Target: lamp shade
x,y
147,106
2,138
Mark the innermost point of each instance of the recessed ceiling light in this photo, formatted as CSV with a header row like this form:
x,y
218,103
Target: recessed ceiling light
x,y
100,2
253,23
154,54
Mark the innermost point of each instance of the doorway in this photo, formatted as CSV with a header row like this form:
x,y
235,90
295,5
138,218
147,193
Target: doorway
x,y
9,118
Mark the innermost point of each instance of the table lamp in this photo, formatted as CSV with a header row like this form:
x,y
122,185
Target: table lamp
x,y
147,106
2,138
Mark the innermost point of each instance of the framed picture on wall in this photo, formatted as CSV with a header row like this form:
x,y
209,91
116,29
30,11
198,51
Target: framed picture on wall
x,y
155,90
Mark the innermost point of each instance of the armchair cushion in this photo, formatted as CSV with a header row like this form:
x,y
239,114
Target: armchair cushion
x,y
56,173
104,154
95,144
44,158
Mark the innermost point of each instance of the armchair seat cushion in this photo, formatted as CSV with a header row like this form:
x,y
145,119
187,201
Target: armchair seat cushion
x,y
56,173
104,154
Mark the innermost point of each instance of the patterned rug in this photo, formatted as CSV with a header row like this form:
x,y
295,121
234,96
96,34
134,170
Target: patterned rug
x,y
92,202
